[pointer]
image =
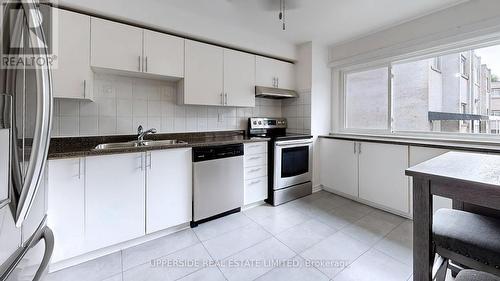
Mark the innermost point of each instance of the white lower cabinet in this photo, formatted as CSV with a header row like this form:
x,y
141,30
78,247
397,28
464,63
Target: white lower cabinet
x,y
114,199
169,188
371,172
66,206
339,166
382,177
100,201
256,182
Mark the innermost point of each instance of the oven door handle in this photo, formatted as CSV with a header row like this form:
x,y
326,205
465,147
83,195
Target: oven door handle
x,y
294,143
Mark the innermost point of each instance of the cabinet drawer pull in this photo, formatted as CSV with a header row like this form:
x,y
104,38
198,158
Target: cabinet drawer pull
x,y
255,170
255,158
254,182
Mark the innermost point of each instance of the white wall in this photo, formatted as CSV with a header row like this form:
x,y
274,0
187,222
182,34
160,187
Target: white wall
x,y
181,22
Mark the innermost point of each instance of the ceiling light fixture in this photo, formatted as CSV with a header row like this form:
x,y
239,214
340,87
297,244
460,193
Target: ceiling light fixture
x,y
282,13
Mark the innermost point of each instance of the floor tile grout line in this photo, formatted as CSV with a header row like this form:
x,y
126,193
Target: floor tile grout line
x,y
213,259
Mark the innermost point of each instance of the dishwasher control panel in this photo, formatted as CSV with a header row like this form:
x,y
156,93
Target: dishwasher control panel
x,y
207,153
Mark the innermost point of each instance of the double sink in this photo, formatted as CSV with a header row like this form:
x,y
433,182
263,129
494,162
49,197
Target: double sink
x,y
137,144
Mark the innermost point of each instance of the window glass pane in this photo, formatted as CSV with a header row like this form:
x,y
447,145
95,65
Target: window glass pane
x,y
367,99
448,101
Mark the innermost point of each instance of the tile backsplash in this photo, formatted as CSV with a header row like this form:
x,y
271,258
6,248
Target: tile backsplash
x,y
121,104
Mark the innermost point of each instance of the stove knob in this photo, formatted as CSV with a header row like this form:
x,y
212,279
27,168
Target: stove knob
x,y
255,122
260,122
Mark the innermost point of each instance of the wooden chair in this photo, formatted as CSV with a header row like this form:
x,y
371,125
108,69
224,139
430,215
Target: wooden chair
x,y
468,239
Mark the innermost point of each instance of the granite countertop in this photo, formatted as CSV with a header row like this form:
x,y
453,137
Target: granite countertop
x,y
72,147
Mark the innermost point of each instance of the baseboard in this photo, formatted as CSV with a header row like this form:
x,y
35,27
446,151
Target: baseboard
x,y
59,265
317,188
366,202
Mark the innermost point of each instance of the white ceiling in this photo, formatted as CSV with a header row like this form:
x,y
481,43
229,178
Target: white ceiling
x,y
326,21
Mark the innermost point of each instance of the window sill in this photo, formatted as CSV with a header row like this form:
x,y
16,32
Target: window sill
x,y
424,141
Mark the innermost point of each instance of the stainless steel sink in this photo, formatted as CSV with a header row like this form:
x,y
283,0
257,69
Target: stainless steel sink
x,y
137,144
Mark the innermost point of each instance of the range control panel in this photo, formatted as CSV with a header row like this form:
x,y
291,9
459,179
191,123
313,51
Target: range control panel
x,y
267,123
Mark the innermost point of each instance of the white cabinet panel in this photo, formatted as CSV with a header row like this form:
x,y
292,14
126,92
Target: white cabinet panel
x,y
239,78
73,76
66,206
255,148
255,160
203,81
422,154
169,188
255,172
274,73
339,166
116,46
4,163
384,183
115,198
164,54
255,190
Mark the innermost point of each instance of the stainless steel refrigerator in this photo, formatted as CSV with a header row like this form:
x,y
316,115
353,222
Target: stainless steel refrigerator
x,y
26,243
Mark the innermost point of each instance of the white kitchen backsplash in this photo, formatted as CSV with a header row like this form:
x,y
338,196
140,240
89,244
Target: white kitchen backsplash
x,y
298,113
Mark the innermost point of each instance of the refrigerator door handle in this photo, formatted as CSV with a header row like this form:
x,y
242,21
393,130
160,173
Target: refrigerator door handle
x,y
43,232
41,137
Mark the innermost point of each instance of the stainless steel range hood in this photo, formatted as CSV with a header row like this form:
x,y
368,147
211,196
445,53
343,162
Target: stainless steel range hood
x,y
274,93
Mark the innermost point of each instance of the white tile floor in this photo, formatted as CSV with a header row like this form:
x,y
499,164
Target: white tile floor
x,y
319,237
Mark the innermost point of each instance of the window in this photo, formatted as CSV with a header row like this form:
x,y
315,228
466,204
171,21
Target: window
x,y
463,65
436,64
407,97
367,99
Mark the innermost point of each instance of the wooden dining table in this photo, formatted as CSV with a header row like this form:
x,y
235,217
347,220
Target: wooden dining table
x,y
471,180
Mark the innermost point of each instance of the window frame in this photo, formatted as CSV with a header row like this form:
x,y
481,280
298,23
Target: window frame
x,y
389,62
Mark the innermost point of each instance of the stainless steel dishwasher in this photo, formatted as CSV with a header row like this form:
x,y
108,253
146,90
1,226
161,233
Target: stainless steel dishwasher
x,y
218,184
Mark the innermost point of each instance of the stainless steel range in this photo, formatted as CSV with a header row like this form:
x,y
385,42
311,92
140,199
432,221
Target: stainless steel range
x,y
290,159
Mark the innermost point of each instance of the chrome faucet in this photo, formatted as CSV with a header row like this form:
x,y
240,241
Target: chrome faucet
x,y
141,133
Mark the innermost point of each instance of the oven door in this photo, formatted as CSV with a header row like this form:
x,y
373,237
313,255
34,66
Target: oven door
x,y
292,163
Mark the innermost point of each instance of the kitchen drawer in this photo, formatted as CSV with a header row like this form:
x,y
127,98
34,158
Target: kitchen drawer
x,y
256,160
255,172
255,190
255,148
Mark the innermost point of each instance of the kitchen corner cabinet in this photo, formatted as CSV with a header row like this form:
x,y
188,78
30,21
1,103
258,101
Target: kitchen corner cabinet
x,y
114,198
339,166
66,206
355,169
275,73
72,75
168,189
217,76
116,46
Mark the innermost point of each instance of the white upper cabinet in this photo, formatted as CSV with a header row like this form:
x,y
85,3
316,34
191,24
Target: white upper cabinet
x,y
163,54
169,188
217,76
384,183
66,206
239,78
114,199
116,46
72,77
204,74
274,73
339,166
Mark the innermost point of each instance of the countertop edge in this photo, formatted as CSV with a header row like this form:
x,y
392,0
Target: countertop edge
x,y
443,144
93,152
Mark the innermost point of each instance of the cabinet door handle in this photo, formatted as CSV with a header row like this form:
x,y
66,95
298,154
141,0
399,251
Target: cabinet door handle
x,y
146,61
79,168
277,82
225,98
254,182
255,170
254,158
359,148
222,98
140,63
150,161
354,148
84,88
